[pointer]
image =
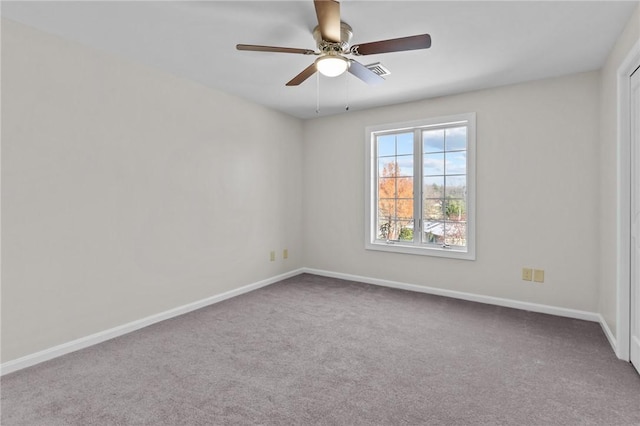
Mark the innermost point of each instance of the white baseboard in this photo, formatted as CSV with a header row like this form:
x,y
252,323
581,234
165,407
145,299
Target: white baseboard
x,y
607,332
509,303
94,339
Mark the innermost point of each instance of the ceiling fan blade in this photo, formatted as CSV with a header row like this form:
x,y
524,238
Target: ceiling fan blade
x,y
308,72
328,13
364,73
422,41
256,48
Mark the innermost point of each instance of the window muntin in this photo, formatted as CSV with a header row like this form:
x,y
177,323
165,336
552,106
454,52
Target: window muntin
x,y
421,198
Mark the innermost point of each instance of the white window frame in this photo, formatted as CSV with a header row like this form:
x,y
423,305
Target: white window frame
x,y
371,188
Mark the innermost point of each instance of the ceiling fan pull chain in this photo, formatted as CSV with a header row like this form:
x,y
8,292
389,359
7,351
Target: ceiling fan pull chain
x,y
317,93
346,76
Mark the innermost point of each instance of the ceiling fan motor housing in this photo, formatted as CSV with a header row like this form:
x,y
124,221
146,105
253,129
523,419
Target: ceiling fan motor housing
x,y
325,46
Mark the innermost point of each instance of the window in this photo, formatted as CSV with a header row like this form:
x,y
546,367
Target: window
x,y
420,187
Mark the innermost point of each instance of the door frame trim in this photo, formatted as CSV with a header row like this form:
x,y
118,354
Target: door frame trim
x,y
623,299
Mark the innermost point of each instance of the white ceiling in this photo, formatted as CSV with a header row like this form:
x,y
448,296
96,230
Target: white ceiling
x,y
475,44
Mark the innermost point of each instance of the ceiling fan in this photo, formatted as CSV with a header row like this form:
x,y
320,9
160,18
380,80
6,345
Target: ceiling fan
x,y
332,38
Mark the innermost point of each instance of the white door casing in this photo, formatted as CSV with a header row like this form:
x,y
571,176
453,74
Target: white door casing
x,y
624,207
634,311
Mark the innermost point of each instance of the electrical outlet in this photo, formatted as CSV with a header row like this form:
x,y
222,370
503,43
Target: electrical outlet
x,y
272,255
285,253
538,275
527,274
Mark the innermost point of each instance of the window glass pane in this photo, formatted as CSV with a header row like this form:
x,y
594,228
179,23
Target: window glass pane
x,y
404,187
405,209
395,189
456,234
406,232
405,165
386,209
387,167
433,232
456,138
456,187
386,145
433,186
455,210
404,143
433,140
433,164
382,163
456,163
383,229
395,229
433,209
387,188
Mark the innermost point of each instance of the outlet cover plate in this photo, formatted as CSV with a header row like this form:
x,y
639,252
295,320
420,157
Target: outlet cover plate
x,y
538,275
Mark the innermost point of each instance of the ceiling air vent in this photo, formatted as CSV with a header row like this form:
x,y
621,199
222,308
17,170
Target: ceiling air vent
x,y
379,69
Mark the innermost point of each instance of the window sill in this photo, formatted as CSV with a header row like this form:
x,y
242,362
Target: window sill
x,y
399,247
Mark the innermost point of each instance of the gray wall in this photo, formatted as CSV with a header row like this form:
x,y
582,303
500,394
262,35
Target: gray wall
x,y
537,193
127,191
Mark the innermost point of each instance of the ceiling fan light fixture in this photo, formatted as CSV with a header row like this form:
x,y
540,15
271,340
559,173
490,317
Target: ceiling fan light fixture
x,y
332,65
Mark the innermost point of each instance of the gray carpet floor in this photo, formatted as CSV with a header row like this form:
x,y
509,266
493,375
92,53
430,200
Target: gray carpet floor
x,y
315,350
